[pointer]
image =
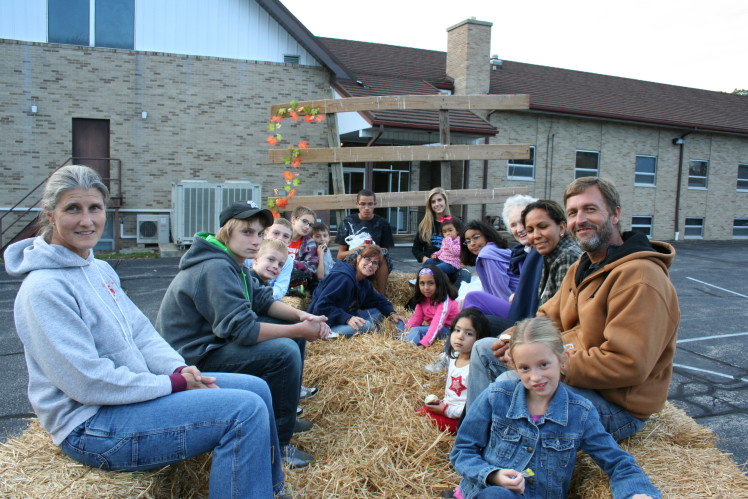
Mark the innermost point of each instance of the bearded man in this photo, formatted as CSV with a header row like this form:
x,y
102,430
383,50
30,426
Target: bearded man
x,y
617,310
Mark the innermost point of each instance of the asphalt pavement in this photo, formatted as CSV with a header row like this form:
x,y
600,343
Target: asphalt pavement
x,y
711,366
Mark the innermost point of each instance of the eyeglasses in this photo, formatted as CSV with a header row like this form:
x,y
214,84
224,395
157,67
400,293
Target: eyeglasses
x,y
366,205
371,262
474,239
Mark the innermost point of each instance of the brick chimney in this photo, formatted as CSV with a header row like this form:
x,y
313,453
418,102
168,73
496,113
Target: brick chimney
x,y
468,59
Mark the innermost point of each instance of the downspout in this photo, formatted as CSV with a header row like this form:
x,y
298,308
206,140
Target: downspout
x,y
549,141
680,142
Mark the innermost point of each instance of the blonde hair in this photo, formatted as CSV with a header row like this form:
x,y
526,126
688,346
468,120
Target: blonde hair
x,y
426,227
282,221
538,330
272,245
224,233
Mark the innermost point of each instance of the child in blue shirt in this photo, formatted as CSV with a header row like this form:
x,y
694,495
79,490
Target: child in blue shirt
x,y
521,436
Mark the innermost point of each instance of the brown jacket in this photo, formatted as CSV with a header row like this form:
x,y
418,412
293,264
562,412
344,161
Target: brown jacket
x,y
621,323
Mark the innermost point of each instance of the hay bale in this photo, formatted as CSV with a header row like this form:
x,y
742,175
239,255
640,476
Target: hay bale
x,y
368,442
399,290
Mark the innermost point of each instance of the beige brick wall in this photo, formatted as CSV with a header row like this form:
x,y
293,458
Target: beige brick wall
x,y
619,144
206,116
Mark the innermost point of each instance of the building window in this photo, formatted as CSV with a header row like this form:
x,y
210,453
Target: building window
x,y
743,177
588,164
115,24
698,170
740,228
522,169
642,225
694,228
67,21
646,170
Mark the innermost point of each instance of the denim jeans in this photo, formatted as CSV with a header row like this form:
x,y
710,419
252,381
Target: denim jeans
x,y
278,361
235,422
372,316
445,267
485,369
416,333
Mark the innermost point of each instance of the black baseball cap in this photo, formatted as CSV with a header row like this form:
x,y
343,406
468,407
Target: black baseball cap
x,y
244,210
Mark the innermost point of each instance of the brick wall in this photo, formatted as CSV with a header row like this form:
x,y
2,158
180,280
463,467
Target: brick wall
x,y
206,116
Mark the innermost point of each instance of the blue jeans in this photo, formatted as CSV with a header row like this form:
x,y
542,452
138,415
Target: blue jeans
x,y
445,267
235,422
372,316
278,361
416,333
485,369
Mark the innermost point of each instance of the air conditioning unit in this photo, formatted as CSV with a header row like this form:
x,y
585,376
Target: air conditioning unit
x,y
196,204
153,229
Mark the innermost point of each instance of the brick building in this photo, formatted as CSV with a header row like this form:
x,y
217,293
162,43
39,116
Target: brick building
x,y
177,94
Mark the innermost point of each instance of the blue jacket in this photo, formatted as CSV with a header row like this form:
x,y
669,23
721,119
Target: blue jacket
x,y
526,298
337,294
497,433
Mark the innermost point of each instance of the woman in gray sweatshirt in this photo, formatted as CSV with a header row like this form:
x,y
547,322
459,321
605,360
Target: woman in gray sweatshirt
x,y
105,385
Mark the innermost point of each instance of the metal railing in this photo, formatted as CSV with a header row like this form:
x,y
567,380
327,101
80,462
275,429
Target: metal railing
x,y
10,228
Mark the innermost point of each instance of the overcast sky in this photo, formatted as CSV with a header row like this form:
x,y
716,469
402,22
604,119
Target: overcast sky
x,y
693,43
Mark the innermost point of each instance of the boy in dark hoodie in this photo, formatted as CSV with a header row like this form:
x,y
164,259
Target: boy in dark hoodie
x,y
220,318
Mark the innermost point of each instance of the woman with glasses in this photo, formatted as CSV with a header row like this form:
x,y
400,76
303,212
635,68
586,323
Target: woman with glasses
x,y
347,297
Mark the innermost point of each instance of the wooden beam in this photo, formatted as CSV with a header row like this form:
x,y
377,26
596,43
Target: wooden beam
x,y
401,102
405,153
398,199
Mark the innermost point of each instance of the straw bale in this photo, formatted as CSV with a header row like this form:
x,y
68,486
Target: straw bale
x,y
368,442
399,290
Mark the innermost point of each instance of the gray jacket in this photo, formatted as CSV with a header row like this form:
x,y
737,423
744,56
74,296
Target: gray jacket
x,y
211,302
86,344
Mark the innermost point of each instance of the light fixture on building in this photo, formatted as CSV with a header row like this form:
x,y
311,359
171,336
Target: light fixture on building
x,y
144,114
34,109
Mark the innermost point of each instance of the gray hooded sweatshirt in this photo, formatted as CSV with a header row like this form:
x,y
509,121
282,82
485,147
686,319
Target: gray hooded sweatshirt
x,y
86,344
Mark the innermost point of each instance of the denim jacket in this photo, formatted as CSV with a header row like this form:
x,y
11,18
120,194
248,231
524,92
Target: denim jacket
x,y
498,433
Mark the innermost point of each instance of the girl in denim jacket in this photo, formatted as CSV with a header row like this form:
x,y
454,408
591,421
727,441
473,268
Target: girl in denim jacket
x,y
521,436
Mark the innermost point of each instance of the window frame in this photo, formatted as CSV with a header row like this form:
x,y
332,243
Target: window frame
x,y
637,173
649,226
704,177
577,168
687,226
511,164
740,228
744,187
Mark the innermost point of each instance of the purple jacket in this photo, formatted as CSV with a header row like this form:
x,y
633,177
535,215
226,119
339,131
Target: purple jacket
x,y
492,265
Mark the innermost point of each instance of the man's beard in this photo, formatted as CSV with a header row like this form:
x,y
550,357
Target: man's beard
x,y
599,240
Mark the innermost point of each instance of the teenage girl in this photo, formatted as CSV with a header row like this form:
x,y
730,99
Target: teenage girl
x,y
530,423
447,257
470,325
436,307
429,236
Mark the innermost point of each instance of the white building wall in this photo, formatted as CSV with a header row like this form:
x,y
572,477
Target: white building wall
x,y
233,29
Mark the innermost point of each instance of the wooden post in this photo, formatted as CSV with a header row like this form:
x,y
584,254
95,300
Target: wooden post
x,y
446,174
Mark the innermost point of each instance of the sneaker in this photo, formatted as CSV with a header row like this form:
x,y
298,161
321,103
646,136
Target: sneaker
x,y
295,458
441,365
413,281
302,425
308,392
299,411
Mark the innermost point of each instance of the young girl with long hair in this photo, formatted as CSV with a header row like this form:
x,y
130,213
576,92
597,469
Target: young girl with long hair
x,y
533,425
436,307
469,326
429,236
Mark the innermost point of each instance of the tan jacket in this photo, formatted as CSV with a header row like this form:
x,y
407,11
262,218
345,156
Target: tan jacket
x,y
621,323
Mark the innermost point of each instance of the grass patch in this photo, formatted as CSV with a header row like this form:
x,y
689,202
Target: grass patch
x,y
140,255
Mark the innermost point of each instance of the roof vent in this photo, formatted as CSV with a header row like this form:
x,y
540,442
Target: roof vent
x,y
291,59
496,62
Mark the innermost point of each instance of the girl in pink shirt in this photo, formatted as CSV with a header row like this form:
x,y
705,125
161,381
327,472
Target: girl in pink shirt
x,y
447,258
436,307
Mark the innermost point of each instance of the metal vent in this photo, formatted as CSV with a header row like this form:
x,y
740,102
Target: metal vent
x,y
291,59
